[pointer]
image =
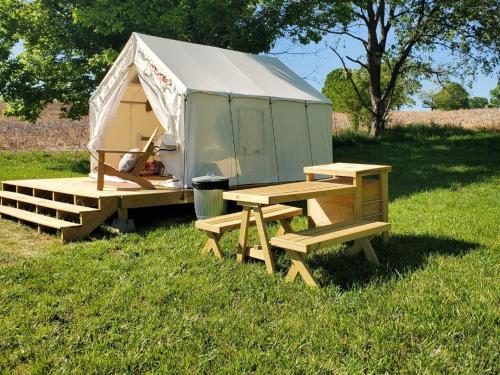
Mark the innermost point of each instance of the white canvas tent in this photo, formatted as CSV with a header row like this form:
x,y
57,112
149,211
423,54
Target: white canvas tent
x,y
247,117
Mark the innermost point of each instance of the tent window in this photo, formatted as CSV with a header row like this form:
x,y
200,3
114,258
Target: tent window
x,y
251,140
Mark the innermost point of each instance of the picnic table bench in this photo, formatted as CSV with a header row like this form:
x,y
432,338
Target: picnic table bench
x,y
215,227
299,244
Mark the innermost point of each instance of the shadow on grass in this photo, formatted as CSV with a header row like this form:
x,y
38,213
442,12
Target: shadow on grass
x,y
403,254
426,157
150,218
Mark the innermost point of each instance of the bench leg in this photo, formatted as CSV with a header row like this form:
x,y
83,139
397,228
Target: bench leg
x,y
264,241
369,252
299,267
212,245
242,241
286,227
292,273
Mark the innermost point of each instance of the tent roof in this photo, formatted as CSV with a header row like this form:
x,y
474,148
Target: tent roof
x,y
222,71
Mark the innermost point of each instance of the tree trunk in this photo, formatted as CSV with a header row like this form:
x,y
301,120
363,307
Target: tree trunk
x,y
378,120
374,58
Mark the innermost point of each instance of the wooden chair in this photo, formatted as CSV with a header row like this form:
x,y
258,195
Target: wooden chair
x,y
106,169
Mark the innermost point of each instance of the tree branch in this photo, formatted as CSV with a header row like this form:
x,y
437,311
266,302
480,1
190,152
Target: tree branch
x,y
357,62
349,75
345,33
419,32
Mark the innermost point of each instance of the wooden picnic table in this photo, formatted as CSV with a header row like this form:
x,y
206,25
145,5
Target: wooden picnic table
x,y
254,198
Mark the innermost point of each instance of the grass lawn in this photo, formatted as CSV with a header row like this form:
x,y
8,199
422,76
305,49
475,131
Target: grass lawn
x,y
150,302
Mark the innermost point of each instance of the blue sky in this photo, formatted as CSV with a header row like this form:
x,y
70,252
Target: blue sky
x,y
314,61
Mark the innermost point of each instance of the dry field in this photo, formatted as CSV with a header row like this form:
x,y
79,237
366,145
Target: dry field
x,y
49,133
487,118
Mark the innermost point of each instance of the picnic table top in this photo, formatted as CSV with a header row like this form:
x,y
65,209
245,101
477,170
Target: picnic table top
x,y
347,169
289,192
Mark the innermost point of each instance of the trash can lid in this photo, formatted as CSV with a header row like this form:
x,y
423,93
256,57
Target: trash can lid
x,y
210,181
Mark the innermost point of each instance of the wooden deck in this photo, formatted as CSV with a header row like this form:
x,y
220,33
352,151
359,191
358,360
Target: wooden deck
x,y
75,207
129,194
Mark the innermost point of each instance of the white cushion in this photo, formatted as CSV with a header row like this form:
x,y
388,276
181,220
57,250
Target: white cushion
x,y
129,161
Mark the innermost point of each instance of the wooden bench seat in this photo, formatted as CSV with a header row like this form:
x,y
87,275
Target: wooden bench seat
x,y
215,227
299,244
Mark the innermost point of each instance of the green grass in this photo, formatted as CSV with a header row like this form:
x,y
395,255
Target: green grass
x,y
38,164
150,302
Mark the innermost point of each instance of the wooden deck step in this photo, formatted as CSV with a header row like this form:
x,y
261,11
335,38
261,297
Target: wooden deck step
x,y
32,217
41,202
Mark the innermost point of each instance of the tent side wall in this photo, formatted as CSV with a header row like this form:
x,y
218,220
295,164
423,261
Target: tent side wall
x,y
208,137
254,140
320,122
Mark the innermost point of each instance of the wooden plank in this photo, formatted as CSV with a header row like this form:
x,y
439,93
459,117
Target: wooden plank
x,y
256,253
329,210
243,238
371,208
264,241
161,198
312,239
100,170
336,209
213,240
46,221
322,229
36,201
123,214
267,210
358,197
384,189
288,192
299,265
225,223
347,169
369,252
86,187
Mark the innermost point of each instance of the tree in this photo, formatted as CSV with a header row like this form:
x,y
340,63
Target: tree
x,y
69,45
478,102
400,32
340,91
495,96
451,96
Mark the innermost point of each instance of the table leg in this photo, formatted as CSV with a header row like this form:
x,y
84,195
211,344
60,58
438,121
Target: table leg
x,y
264,241
242,242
